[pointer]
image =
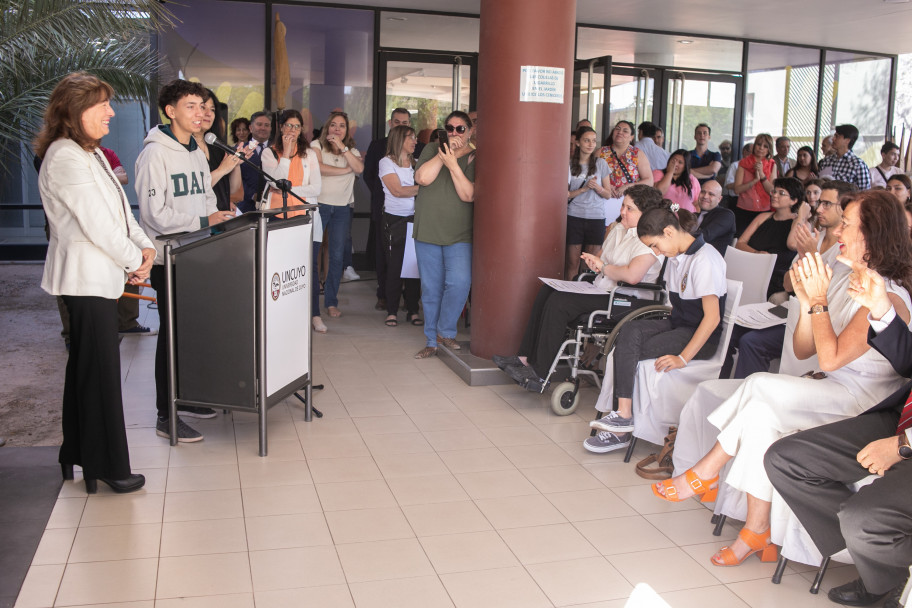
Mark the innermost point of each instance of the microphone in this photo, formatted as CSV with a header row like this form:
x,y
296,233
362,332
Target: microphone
x,y
212,140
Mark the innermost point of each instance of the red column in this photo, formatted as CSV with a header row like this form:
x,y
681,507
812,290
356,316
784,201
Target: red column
x,y
521,181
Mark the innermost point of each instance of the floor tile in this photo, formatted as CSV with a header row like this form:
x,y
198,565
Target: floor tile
x,y
487,419
365,525
580,581
328,470
123,510
270,474
397,443
502,588
420,592
751,569
203,536
195,575
663,569
277,449
495,484
280,500
689,527
210,504
623,535
327,596
643,501
67,512
294,568
237,600
424,490
442,421
476,461
382,425
110,543
504,436
334,446
704,597
203,454
585,505
446,518
527,456
107,582
196,478
468,551
791,591
458,439
381,560
562,479
540,544
287,531
346,496
54,547
519,511
153,457
395,466
40,586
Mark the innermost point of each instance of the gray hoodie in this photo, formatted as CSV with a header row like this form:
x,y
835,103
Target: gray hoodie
x,y
173,185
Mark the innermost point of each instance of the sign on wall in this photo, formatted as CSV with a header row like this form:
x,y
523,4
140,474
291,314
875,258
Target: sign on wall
x,y
541,83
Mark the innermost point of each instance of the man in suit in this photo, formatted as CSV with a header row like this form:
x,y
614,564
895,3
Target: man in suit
x,y
260,129
715,223
810,470
783,162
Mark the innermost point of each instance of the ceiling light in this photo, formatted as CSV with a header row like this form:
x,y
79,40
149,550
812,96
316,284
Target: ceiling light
x,y
685,41
397,18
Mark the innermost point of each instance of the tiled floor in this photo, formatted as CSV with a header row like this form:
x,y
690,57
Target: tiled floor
x,y
413,490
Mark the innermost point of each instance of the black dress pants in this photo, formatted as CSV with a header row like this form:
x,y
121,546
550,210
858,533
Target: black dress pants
x,y
94,436
157,280
810,471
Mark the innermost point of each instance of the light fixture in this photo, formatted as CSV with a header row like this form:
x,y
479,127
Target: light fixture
x,y
895,1
397,18
685,41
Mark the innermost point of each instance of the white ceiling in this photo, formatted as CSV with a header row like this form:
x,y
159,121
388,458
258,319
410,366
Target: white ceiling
x,y
867,25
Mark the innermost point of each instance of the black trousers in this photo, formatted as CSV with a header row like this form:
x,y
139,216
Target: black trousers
x,y
810,470
94,436
394,233
157,280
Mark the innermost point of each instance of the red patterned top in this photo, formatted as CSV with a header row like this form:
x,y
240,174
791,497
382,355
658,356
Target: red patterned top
x,y
629,161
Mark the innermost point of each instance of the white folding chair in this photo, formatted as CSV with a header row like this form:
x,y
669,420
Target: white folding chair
x,y
658,398
753,270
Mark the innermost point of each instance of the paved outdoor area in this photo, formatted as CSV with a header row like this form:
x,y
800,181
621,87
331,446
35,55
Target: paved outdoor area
x,y
413,490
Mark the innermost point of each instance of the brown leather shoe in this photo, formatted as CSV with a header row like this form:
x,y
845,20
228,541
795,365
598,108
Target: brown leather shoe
x,y
427,351
448,342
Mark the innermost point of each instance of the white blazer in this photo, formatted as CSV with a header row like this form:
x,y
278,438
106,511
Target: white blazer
x,y
90,251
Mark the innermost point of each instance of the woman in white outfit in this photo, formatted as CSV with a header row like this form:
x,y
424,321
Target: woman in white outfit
x,y
855,377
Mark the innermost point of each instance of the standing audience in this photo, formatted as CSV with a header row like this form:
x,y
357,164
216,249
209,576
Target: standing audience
x,y
842,164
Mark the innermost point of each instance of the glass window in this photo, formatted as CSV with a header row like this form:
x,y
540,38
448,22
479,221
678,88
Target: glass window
x,y
782,93
639,48
856,91
426,91
433,32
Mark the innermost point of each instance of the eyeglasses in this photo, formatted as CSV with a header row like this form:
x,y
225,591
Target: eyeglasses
x,y
456,128
291,126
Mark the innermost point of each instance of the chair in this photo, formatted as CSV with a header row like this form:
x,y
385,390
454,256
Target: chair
x,y
658,398
753,270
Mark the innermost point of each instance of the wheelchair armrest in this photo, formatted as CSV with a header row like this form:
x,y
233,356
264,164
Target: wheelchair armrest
x,y
589,277
643,286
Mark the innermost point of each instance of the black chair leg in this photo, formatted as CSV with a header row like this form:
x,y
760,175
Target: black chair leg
x,y
780,568
815,588
633,442
714,519
717,531
598,416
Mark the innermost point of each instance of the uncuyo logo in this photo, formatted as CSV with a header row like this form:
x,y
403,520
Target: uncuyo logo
x,y
275,286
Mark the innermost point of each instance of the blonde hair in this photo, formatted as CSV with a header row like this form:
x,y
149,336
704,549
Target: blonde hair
x,y
396,140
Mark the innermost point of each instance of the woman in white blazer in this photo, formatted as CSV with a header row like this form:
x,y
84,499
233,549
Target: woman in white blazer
x,y
95,247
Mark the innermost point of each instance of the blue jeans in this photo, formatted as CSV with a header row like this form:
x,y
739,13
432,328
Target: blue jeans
x,y
315,281
336,227
446,278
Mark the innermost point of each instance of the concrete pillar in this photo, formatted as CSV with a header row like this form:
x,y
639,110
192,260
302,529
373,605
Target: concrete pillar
x,y
521,181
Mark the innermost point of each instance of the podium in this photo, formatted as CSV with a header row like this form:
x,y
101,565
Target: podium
x,y
239,332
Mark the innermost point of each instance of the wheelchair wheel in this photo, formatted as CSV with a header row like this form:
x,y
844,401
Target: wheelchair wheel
x,y
563,399
647,312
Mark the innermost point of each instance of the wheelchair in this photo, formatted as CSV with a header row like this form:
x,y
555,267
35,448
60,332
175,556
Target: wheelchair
x,y
599,329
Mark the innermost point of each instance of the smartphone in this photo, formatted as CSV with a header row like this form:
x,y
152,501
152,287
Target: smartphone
x,y
780,311
442,138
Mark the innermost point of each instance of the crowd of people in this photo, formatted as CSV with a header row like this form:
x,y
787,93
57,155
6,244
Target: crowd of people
x,y
840,232
636,214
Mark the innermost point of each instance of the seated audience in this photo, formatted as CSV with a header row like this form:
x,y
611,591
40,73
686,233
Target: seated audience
x,y
812,469
901,187
754,182
589,187
805,168
623,257
695,278
769,231
768,406
889,156
676,183
715,223
842,164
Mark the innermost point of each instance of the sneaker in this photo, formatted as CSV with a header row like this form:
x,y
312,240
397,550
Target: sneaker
x,y
448,342
614,423
319,326
140,331
349,274
185,433
606,442
504,362
192,411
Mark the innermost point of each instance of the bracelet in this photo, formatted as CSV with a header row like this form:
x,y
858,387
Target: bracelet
x,y
683,359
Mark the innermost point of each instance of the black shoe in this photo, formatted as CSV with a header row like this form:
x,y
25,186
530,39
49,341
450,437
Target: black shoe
x,y
185,433
192,411
131,483
521,373
504,362
894,597
853,594
67,470
534,385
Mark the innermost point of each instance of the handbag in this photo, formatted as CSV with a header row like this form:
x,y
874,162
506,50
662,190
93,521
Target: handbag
x,y
663,459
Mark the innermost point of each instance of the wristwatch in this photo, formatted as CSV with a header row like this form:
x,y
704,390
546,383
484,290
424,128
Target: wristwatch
x,y
817,309
905,452
345,149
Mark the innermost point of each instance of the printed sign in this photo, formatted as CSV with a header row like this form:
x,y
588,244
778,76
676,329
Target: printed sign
x,y
541,83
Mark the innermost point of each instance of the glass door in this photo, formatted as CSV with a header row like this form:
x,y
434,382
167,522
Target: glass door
x,y
428,85
631,95
695,98
589,94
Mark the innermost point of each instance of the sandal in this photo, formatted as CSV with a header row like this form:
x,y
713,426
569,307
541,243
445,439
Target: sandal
x,y
700,487
663,459
414,319
758,543
334,312
391,321
427,351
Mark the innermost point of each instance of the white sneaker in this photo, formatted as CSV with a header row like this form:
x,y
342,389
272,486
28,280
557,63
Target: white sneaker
x,y
349,274
319,326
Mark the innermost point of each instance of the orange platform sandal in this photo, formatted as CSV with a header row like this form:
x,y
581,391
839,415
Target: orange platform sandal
x,y
700,487
758,543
